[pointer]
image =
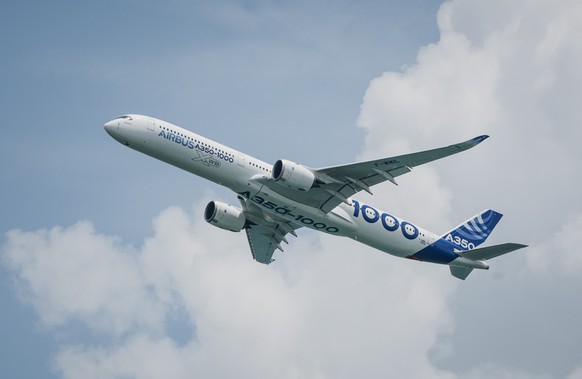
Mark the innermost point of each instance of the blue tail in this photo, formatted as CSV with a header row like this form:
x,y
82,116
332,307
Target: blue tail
x,y
474,231
464,237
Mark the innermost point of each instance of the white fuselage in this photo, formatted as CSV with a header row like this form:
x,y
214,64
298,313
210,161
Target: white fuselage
x,y
237,171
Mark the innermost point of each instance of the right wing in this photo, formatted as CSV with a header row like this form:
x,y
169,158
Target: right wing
x,y
336,184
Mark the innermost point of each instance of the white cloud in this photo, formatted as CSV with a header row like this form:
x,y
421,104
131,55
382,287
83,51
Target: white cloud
x,y
74,273
559,255
510,70
577,373
517,81
490,370
329,309
140,357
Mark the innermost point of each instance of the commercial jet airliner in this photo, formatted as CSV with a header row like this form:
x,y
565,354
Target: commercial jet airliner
x,y
275,200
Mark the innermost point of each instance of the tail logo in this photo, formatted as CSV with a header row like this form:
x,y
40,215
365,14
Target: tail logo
x,y
474,231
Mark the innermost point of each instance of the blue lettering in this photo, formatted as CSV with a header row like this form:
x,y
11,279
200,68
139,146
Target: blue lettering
x,y
408,230
186,142
370,214
390,222
356,207
245,194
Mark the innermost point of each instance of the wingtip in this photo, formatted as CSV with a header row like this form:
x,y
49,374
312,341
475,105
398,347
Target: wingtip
x,y
479,139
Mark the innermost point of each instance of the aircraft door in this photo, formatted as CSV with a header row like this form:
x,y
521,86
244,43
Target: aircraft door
x,y
431,238
152,124
241,159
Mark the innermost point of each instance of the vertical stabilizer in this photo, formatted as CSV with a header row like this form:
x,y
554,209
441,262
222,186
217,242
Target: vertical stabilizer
x,y
474,231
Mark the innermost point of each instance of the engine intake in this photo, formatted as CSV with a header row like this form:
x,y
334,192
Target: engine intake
x,y
293,175
224,216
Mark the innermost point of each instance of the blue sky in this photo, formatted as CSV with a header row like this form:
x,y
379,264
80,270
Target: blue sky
x,y
105,256
236,71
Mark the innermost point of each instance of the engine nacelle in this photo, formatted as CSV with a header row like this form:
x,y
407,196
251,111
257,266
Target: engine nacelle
x,y
224,216
293,175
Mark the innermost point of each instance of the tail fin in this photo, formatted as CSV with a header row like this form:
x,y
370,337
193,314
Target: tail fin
x,y
474,231
459,247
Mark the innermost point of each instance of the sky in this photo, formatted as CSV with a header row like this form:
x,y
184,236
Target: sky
x,y
107,268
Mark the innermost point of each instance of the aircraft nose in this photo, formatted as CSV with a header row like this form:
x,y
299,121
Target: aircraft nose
x,y
112,128
109,125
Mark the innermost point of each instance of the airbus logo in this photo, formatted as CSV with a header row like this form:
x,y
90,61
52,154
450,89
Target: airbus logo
x,y
178,139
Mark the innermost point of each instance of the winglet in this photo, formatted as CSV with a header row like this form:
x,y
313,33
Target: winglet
x,y
478,140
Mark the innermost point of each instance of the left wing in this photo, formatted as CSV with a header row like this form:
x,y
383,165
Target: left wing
x,y
336,184
264,233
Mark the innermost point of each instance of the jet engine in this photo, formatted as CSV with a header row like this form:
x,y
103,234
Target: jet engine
x,y
224,216
293,175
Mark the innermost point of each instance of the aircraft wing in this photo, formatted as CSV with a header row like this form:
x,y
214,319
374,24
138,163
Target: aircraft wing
x,y
336,184
264,233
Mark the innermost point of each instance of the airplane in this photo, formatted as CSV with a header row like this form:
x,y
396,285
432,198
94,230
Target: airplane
x,y
276,200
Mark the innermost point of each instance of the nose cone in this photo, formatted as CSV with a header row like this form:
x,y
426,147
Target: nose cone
x,y
110,125
112,128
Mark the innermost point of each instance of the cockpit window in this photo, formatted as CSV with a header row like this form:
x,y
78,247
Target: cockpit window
x,y
126,117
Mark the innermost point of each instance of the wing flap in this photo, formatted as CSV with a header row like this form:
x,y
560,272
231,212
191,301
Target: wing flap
x,y
264,239
265,234
262,247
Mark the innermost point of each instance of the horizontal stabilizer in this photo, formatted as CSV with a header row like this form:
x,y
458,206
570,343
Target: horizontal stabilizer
x,y
460,272
485,253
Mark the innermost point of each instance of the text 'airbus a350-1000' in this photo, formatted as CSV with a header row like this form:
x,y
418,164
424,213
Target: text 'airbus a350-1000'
x,y
275,200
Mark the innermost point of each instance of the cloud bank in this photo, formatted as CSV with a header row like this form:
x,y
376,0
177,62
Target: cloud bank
x,y
190,302
324,311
